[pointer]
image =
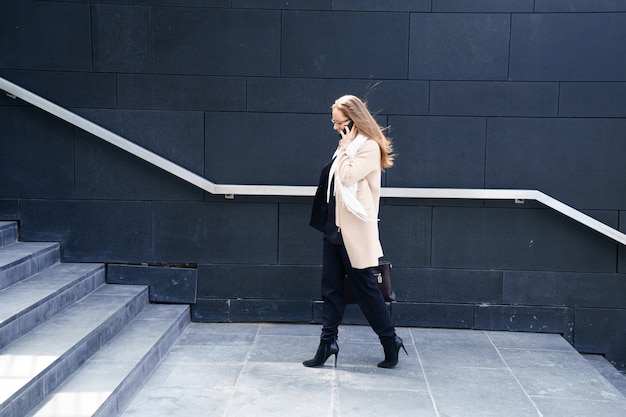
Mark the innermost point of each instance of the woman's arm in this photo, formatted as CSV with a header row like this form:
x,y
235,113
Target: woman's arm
x,y
366,160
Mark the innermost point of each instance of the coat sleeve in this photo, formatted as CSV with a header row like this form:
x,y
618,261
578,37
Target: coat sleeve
x,y
366,160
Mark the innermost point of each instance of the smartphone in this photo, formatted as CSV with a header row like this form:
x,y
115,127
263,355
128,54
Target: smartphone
x,y
347,128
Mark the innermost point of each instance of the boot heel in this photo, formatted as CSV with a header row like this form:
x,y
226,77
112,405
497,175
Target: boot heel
x,y
324,351
392,348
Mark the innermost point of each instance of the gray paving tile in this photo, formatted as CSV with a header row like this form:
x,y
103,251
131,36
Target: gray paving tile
x,y
469,392
561,407
561,374
521,340
283,349
208,354
180,401
403,378
274,395
287,369
228,370
456,348
380,402
196,375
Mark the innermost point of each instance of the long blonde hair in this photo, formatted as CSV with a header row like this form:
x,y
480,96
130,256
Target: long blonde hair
x,y
356,110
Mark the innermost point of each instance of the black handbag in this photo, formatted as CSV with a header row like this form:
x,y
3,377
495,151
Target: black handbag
x,y
382,275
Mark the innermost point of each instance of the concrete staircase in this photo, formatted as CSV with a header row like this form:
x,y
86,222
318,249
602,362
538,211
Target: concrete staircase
x,y
70,344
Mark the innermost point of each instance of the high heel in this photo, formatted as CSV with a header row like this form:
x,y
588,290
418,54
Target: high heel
x,y
392,348
324,351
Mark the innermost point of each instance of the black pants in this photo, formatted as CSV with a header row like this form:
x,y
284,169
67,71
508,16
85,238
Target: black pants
x,y
335,266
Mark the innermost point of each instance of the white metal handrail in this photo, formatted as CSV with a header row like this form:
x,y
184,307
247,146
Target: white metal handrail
x,y
230,190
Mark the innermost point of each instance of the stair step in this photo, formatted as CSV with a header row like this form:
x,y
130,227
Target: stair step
x,y
109,379
33,300
23,259
8,233
36,364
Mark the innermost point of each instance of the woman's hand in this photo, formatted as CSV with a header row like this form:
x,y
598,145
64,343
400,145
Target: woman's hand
x,y
347,134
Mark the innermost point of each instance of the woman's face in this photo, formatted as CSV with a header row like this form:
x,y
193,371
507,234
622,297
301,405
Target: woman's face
x,y
340,121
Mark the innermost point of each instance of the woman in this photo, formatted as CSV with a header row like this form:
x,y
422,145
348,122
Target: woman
x,y
345,209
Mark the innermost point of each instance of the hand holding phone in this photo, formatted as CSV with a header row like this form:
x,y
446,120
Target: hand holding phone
x,y
347,128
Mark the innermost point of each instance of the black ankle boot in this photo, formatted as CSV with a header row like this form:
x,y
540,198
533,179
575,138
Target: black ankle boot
x,y
325,349
392,348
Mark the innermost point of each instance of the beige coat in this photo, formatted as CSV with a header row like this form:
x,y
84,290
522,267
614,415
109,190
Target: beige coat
x,y
360,237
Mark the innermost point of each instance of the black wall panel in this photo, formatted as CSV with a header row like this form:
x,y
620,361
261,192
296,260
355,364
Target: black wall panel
x,y
526,319
578,161
166,284
227,232
90,230
598,331
121,38
106,172
500,6
9,208
177,136
564,289
405,234
207,311
438,152
580,6
37,156
363,45
259,281
303,95
509,94
215,41
298,243
431,285
459,47
456,316
45,36
566,47
67,89
592,99
180,92
281,4
270,310
267,148
524,239
382,5
482,98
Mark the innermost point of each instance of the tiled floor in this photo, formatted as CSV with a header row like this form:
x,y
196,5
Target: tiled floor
x,y
238,370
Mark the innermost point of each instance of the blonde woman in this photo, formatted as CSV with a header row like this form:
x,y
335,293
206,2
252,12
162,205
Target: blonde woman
x,y
345,209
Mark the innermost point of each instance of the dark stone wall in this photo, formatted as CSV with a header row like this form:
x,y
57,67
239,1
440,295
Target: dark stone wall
x,y
525,94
